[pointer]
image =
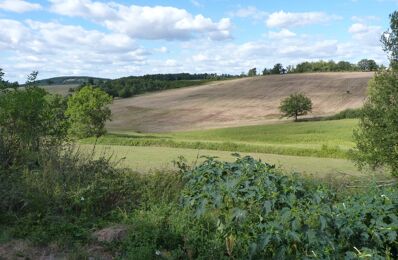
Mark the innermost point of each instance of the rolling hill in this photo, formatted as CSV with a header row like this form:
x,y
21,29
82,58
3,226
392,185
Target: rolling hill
x,y
69,80
237,102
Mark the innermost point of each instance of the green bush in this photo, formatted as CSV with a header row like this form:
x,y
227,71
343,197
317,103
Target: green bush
x,y
261,213
346,114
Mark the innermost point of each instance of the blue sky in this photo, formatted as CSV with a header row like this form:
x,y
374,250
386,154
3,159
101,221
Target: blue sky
x,y
122,37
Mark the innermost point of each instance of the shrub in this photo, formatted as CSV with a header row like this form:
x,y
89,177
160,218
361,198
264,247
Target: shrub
x,y
262,213
346,114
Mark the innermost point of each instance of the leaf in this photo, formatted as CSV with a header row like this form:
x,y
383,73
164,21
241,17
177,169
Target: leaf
x,y
267,207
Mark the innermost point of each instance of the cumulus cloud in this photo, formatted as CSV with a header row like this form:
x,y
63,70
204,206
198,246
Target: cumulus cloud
x,y
58,49
363,33
18,6
145,22
282,34
283,19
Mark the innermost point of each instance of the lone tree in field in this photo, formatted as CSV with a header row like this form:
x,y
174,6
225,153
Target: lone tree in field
x,y
87,112
377,136
295,105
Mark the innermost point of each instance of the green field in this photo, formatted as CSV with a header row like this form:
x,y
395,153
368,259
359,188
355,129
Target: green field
x,y
312,148
145,159
323,139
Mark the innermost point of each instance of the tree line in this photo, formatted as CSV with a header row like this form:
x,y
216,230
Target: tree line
x,y
319,66
134,85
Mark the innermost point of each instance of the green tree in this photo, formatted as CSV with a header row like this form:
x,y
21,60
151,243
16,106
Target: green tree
x,y
367,65
88,112
377,136
295,105
252,72
277,69
389,40
266,71
30,119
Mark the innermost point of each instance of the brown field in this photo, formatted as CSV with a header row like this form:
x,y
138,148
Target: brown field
x,y
59,89
237,102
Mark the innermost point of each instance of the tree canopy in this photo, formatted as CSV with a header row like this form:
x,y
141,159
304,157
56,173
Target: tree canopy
x,y
377,135
389,40
295,105
88,112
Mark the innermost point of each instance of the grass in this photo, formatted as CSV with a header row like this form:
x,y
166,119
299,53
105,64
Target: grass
x,y
145,159
323,139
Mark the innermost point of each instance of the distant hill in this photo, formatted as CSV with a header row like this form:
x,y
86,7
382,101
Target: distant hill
x,y
237,102
70,80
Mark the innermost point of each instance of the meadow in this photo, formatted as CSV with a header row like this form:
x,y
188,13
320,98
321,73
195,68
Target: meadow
x,y
319,149
323,139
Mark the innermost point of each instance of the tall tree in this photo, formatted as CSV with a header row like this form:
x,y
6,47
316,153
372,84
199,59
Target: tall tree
x,y
377,136
389,40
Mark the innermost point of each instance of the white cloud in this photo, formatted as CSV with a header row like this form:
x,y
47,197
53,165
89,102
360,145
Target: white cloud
x,y
18,6
145,22
162,49
283,19
250,12
282,34
58,49
365,34
196,3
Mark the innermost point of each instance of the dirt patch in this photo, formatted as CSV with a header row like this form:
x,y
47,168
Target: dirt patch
x,y
237,102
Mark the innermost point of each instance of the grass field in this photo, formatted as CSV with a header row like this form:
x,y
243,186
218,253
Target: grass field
x,y
324,139
146,159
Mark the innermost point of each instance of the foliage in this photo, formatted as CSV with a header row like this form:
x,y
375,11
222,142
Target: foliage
x,y
324,66
252,72
376,139
6,84
390,40
367,65
87,112
131,86
348,113
261,213
277,69
29,119
296,105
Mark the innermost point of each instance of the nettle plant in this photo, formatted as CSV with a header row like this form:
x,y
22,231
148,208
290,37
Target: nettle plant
x,y
261,212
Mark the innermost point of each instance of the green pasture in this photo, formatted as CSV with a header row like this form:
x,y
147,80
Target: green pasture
x,y
323,139
146,159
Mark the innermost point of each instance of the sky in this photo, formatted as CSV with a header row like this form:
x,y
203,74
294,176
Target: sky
x,y
119,38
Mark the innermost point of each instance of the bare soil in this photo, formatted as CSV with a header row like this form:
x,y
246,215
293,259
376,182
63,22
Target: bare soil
x,y
237,102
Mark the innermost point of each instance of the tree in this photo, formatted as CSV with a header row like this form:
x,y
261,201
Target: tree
x,y
389,40
367,65
295,105
266,71
30,119
252,72
277,69
88,112
377,136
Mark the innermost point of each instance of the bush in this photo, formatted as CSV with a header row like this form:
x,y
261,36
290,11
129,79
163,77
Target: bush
x,y
346,114
262,213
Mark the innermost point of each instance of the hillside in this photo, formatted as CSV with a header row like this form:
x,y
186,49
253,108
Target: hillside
x,y
237,102
69,80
